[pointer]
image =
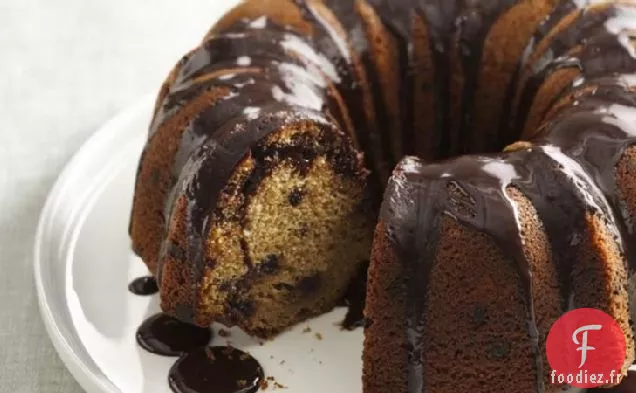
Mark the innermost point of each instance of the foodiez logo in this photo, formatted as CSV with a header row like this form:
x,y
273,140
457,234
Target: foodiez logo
x,y
586,349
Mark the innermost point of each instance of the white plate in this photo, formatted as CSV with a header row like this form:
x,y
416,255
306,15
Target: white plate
x,y
83,264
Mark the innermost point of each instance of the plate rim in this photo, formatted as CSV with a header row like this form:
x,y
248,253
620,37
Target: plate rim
x,y
86,378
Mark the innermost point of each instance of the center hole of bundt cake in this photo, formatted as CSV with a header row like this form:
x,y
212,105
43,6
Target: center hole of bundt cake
x,y
446,127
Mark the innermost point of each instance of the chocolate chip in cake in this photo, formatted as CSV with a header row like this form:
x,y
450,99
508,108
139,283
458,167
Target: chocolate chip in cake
x,y
309,284
269,264
344,163
296,196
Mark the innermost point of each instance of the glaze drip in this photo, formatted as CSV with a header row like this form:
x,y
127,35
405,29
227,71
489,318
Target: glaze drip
x,y
471,190
143,286
161,334
216,369
596,133
334,47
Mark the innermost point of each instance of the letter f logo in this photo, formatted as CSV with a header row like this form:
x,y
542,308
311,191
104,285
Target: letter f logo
x,y
569,344
584,347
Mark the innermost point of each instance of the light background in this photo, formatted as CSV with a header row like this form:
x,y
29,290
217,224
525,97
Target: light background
x,y
66,67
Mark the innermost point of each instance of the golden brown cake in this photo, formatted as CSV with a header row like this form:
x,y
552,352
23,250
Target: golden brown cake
x,y
258,191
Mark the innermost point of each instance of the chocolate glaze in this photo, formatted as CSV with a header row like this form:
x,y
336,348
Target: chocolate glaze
x,y
250,94
471,23
337,50
354,25
561,10
578,47
474,23
164,335
300,154
354,300
562,195
236,47
216,370
144,286
507,132
596,133
470,189
397,19
286,59
440,19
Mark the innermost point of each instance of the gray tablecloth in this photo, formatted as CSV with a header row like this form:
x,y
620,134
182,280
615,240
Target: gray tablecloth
x,y
66,67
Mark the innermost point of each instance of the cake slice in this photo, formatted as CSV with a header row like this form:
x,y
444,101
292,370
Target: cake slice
x,y
267,226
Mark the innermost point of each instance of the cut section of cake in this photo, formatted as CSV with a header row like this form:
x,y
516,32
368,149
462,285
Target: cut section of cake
x,y
242,226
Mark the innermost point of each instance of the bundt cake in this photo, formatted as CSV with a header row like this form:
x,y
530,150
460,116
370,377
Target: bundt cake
x,y
510,125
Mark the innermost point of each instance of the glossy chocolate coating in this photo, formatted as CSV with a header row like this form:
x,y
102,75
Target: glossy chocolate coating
x,y
216,370
144,286
164,335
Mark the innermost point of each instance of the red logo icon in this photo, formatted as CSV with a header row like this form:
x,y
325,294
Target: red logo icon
x,y
586,349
